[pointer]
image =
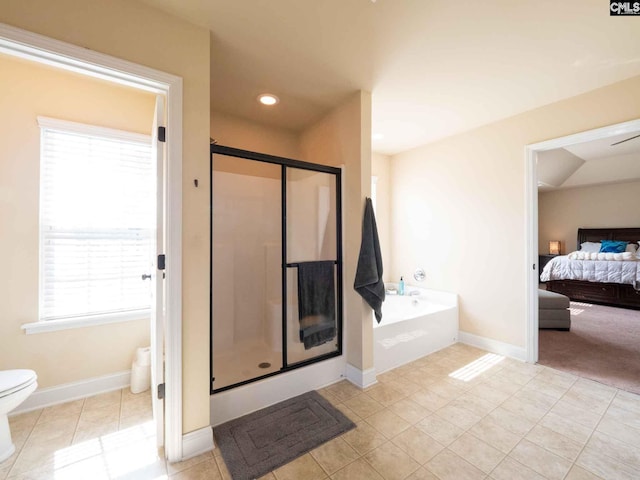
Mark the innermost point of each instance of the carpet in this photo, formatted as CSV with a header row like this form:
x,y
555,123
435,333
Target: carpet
x,y
603,345
262,441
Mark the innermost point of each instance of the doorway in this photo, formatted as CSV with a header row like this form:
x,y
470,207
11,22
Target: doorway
x,y
31,47
532,229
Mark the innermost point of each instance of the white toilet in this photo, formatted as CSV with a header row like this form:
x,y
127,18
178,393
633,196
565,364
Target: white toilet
x,y
15,387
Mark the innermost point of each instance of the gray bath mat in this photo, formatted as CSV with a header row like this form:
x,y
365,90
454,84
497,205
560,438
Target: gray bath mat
x,y
262,441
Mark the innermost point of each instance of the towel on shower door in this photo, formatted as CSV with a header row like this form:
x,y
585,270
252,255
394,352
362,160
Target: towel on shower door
x,y
316,303
368,282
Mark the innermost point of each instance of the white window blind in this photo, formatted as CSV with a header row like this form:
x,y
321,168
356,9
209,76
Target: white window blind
x,y
97,221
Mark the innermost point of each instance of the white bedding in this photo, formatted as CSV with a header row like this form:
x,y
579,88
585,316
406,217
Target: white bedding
x,y
605,271
619,257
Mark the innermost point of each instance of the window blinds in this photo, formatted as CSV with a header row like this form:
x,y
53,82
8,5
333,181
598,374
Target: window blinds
x,y
97,221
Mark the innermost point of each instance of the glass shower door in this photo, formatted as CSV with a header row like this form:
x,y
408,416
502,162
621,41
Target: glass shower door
x,y
247,270
312,265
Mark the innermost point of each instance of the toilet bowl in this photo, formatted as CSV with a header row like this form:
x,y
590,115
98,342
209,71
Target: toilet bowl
x,y
15,387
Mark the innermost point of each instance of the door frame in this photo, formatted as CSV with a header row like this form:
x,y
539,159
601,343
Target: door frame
x,y
531,192
17,42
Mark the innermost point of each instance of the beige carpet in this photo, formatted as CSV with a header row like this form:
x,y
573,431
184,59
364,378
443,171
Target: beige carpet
x,y
603,345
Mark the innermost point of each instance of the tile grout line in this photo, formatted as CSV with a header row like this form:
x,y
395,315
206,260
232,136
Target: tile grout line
x,y
434,412
75,430
573,462
521,436
595,429
589,438
121,408
537,423
25,442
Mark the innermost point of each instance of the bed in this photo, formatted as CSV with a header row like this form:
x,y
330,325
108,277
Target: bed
x,y
615,283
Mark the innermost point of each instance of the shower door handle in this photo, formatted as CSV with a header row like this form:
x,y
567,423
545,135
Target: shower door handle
x,y
146,276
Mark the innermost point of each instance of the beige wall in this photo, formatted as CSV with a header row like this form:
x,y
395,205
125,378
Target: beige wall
x,y
28,90
343,137
562,212
458,207
381,168
232,131
140,34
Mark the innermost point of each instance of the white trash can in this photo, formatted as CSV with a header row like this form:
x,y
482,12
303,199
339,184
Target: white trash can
x,y
141,370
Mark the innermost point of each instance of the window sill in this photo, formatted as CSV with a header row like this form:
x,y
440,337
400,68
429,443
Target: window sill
x,y
45,326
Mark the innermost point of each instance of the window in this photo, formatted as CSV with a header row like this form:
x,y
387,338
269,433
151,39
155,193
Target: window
x,y
97,222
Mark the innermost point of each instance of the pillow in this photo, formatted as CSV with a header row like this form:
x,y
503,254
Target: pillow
x,y
632,247
612,246
590,247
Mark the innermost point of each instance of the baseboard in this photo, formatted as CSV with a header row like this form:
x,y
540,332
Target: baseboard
x,y
45,397
360,378
494,346
197,442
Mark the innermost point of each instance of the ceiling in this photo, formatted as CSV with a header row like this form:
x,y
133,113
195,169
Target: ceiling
x,y
435,68
589,163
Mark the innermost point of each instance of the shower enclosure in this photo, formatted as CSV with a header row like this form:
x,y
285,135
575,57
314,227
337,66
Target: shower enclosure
x,y
276,269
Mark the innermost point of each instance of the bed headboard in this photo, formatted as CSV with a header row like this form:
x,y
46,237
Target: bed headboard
x,y
631,235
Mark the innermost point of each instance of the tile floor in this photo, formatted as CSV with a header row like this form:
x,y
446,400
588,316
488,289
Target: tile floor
x,y
460,413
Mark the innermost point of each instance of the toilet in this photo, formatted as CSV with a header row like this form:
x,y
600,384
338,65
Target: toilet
x,y
15,387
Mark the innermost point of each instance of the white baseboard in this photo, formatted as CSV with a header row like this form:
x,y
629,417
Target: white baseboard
x,y
197,442
493,346
360,378
45,397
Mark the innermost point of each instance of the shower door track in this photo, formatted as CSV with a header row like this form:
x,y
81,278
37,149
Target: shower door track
x,y
284,163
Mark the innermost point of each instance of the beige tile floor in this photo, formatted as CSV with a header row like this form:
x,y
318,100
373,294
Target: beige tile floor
x,y
457,414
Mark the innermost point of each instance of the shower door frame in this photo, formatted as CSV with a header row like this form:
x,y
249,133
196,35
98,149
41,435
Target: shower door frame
x,y
284,164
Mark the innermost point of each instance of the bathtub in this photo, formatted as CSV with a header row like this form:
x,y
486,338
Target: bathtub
x,y
413,326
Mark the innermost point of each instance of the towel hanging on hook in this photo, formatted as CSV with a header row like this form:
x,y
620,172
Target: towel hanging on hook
x,y
368,282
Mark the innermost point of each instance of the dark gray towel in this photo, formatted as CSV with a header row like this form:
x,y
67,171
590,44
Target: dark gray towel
x,y
318,333
368,282
316,303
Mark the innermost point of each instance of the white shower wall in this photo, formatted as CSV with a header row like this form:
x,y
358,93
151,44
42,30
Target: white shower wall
x,y
246,249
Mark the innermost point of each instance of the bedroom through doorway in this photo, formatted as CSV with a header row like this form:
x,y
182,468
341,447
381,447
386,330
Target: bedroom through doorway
x,y
588,324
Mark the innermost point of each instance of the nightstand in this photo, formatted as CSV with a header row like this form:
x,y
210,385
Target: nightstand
x,y
543,260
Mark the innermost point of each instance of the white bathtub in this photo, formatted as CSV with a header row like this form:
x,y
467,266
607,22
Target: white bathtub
x,y
413,326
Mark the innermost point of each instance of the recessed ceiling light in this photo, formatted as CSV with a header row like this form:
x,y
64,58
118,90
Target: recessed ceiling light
x,y
377,136
268,99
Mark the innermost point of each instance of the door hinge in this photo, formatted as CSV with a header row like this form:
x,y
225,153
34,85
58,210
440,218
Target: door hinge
x,y
161,262
162,134
161,391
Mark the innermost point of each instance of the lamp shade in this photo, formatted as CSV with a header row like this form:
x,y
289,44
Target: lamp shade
x,y
554,247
